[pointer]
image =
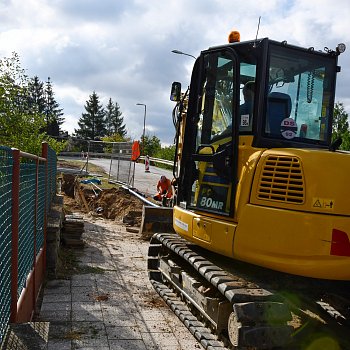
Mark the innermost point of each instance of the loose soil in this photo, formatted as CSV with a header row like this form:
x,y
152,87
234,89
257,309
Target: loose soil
x,y
113,203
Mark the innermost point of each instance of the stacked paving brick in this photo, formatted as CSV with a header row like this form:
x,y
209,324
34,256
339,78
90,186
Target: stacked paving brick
x,y
54,226
73,228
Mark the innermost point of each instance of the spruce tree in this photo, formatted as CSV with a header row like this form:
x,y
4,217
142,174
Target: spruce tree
x,y
109,117
53,114
36,95
117,121
114,120
92,123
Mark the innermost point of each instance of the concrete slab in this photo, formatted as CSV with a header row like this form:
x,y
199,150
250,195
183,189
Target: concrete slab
x,y
55,315
59,345
57,298
126,333
122,344
160,340
112,305
92,316
57,306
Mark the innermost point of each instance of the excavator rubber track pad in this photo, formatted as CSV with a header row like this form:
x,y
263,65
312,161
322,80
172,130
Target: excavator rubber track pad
x,y
250,326
197,328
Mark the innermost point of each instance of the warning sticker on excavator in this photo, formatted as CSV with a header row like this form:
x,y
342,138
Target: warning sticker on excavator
x,y
323,203
181,224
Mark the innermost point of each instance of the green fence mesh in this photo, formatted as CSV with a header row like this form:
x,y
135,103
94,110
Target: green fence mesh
x,y
52,170
33,194
40,208
27,193
5,236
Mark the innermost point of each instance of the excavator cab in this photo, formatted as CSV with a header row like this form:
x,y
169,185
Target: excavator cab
x,y
290,105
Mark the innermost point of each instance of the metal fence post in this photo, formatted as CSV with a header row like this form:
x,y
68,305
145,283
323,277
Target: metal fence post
x,y
35,228
15,228
44,154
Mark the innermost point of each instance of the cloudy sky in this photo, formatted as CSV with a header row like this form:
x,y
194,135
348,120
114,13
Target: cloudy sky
x,y
122,48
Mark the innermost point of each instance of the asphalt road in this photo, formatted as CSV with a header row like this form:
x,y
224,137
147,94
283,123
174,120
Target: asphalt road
x,y
145,182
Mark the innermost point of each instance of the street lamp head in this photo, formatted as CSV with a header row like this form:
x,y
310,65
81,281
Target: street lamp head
x,y
178,52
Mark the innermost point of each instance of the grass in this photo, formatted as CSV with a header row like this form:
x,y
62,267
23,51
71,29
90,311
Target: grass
x,y
78,334
79,164
95,169
69,264
73,335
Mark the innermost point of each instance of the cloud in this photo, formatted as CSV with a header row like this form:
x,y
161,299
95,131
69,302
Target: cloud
x,y
122,49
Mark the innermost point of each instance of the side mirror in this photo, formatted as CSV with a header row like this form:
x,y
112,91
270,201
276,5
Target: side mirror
x,y
175,94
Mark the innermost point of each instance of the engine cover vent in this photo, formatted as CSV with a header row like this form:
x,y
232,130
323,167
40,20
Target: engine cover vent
x,y
282,180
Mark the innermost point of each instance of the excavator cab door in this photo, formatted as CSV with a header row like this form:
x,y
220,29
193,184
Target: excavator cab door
x,y
211,154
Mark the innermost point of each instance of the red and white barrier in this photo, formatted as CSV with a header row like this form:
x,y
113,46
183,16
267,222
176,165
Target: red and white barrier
x,y
146,164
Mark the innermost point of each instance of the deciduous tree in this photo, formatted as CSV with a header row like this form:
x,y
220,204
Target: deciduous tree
x,y
151,145
340,127
21,122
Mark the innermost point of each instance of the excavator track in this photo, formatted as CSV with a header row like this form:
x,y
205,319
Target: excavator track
x,y
228,310
242,314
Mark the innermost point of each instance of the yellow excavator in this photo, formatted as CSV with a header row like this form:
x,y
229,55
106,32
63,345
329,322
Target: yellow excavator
x,y
260,257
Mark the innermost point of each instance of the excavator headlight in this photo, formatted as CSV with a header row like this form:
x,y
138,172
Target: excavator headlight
x,y
341,48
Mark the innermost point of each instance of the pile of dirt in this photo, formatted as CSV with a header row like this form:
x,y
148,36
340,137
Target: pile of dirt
x,y
115,204
70,205
68,182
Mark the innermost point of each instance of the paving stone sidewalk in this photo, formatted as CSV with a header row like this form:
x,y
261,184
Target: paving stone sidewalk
x,y
113,306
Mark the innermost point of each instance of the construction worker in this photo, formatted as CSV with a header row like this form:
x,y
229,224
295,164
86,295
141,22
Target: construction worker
x,y
246,109
164,188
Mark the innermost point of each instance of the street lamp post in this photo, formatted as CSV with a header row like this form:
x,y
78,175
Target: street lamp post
x,y
183,53
144,127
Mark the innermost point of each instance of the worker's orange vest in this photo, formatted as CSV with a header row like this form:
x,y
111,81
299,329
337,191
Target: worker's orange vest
x,y
166,186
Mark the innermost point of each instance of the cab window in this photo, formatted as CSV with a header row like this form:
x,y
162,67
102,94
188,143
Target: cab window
x,y
298,98
247,94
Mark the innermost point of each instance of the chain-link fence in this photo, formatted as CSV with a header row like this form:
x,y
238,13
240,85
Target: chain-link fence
x,y
41,206
51,175
5,236
121,168
27,183
113,157
27,194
